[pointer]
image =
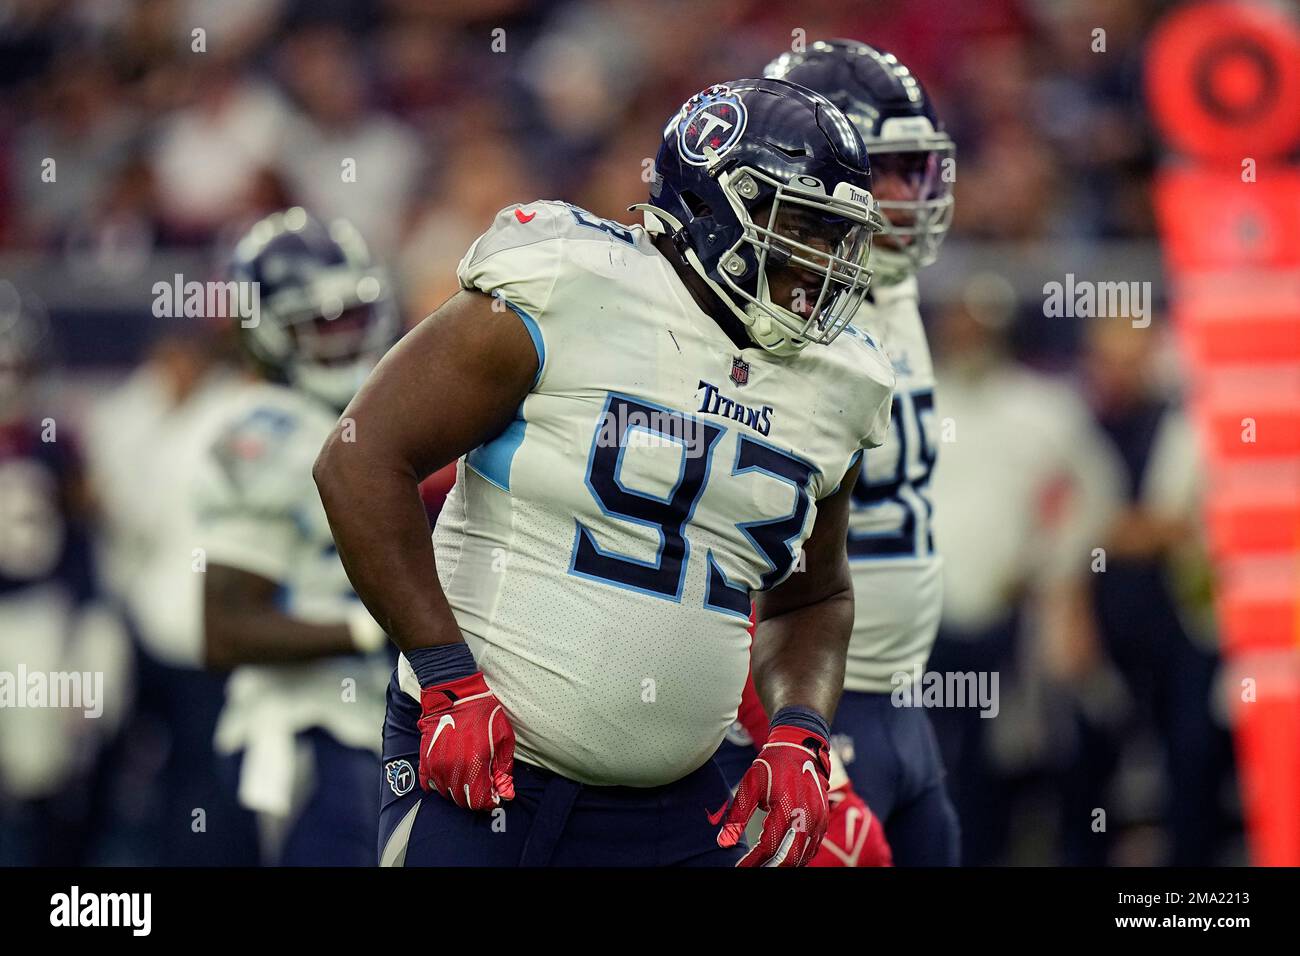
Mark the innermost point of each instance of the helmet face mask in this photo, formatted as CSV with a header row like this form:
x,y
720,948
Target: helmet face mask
x,y
334,342
915,227
818,244
333,355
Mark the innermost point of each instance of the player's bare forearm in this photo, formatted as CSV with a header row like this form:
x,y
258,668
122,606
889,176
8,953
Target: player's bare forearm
x,y
799,655
382,533
804,624
242,625
452,383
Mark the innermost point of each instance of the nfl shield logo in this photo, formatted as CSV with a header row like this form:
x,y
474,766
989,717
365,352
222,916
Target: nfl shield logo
x,y
739,371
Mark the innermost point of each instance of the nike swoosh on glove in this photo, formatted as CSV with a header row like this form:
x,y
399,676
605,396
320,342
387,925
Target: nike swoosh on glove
x,y
467,746
854,837
789,779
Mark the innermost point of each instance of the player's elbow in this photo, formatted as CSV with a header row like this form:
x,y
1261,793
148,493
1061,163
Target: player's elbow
x,y
215,657
328,471
218,643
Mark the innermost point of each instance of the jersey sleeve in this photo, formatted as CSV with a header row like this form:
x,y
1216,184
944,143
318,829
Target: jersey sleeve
x,y
519,260
879,430
870,379
248,495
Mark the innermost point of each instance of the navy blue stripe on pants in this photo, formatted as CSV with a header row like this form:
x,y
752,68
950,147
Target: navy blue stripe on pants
x,y
552,820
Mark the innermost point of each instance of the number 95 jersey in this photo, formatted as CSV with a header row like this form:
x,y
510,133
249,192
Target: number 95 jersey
x,y
897,575
599,553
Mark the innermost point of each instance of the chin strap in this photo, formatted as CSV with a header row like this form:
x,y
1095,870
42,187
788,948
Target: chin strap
x,y
761,329
768,334
657,221
660,222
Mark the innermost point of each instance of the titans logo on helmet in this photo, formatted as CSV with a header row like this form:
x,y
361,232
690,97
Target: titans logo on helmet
x,y
713,119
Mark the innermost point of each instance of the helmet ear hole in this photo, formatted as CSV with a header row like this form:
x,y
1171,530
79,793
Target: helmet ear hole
x,y
698,207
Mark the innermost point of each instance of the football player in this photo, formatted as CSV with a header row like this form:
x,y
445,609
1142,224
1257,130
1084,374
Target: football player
x,y
47,591
889,753
651,424
304,704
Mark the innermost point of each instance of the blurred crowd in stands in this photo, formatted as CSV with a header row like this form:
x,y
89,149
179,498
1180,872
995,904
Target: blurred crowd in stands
x,y
451,109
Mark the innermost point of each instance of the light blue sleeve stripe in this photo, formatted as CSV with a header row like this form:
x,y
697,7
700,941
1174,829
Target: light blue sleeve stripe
x,y
492,459
852,461
534,332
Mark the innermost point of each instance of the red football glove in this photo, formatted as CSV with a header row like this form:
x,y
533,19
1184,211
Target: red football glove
x,y
467,746
854,837
789,779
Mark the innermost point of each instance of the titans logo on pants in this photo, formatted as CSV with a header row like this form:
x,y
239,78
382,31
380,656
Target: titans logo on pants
x,y
401,776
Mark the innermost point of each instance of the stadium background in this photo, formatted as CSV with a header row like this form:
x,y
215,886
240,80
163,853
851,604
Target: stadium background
x,y
453,108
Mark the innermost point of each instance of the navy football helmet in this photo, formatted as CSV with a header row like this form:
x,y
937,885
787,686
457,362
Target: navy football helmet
x,y
904,139
326,314
758,176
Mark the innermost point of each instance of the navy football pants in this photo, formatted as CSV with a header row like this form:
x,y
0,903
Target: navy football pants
x,y
336,825
892,758
552,821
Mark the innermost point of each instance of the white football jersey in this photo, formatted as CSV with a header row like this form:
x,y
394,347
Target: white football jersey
x,y
897,576
600,553
258,510
145,452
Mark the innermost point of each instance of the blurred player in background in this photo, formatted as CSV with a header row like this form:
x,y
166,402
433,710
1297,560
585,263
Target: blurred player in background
x,y
304,706
1026,491
654,426
146,441
889,753
1153,615
50,621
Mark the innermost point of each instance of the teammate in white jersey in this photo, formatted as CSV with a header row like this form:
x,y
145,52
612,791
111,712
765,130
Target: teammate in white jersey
x,y
890,753
655,422
302,720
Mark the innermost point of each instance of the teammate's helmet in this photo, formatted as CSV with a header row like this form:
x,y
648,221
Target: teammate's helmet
x,y
761,175
326,315
904,138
